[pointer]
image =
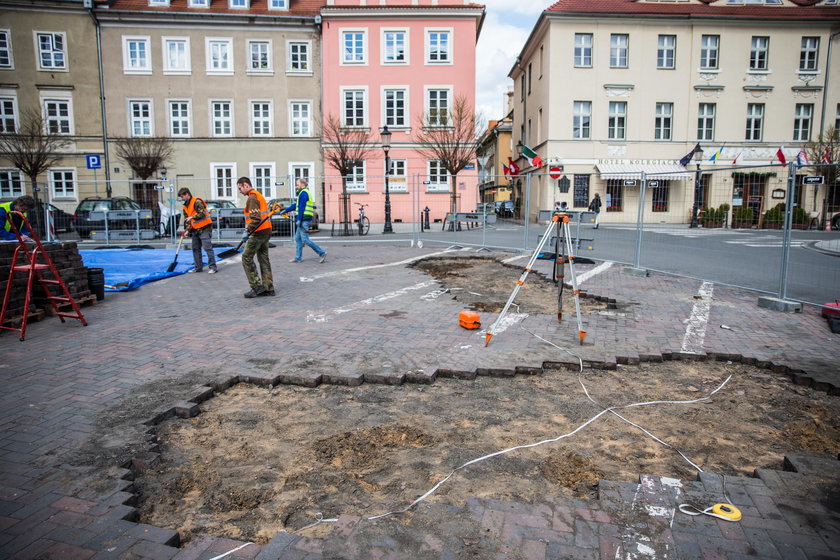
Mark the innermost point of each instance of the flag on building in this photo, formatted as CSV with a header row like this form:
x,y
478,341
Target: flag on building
x,y
801,157
717,155
506,170
514,169
780,154
734,161
686,159
826,156
533,157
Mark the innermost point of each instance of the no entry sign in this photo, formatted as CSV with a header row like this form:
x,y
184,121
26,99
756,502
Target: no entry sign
x,y
555,171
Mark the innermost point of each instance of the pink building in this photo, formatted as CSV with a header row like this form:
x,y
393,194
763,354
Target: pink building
x,y
390,62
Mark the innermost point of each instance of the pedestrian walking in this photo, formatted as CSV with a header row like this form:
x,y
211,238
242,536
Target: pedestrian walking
x,y
257,235
305,208
22,204
198,225
595,206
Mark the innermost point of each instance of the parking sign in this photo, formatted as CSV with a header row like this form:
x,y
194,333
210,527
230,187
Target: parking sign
x,y
94,161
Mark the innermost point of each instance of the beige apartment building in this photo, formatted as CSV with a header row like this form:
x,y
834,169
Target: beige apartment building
x,y
48,64
610,89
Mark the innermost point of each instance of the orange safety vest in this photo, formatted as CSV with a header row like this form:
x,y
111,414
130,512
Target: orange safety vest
x,y
263,211
189,209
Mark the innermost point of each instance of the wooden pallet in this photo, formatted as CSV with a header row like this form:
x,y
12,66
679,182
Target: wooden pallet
x,y
33,316
81,302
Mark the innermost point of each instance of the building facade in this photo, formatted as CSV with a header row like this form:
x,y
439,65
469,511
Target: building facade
x,y
611,89
494,152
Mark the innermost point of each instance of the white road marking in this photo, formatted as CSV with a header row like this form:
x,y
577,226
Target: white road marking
x,y
594,271
511,259
508,321
371,267
695,331
313,317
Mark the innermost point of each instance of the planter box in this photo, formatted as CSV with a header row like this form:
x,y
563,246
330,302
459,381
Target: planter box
x,y
712,224
742,225
771,225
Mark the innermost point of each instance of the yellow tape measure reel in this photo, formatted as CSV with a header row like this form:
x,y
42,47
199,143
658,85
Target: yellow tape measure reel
x,y
727,512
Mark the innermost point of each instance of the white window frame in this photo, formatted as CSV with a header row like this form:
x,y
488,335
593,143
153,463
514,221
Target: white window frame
x,y
211,110
757,62
290,59
264,120
406,110
343,58
309,175
171,119
6,117
159,3
263,183
437,186
69,119
55,181
619,50
427,106
398,182
6,50
450,50
617,120
365,111
199,3
278,5
64,55
666,55
753,117
269,69
384,51
663,121
293,120
217,185
706,121
12,177
710,54
209,43
239,4
582,111
582,50
803,122
809,56
150,120
175,70
144,65
359,172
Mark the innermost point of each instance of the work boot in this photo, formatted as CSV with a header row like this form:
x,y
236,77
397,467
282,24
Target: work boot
x,y
196,270
267,293
254,293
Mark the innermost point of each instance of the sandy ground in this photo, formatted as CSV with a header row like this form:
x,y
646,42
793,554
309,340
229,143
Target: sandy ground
x,y
258,460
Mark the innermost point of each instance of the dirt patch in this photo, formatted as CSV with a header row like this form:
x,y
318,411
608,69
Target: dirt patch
x,y
258,460
486,284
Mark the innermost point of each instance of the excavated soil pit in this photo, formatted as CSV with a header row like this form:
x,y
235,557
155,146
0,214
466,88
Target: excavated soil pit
x,y
258,460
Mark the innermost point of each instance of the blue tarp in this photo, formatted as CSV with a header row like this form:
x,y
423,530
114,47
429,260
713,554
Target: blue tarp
x,y
127,269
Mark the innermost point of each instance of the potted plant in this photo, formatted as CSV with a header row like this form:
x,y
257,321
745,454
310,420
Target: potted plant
x,y
742,217
712,218
775,217
800,218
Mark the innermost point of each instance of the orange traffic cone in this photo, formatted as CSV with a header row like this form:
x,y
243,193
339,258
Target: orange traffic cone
x,y
828,225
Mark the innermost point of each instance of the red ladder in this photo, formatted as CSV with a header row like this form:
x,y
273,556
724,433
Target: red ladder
x,y
34,270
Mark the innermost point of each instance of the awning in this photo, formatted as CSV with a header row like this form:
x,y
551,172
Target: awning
x,y
671,171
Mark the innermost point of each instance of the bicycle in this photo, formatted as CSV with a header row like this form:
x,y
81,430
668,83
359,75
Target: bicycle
x,y
362,221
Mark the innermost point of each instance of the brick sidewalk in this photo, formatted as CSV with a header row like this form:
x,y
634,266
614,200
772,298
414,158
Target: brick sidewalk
x,y
371,325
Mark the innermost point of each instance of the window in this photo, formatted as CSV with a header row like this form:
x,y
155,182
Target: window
x,y
51,54
437,107
755,119
179,118
300,118
582,119
136,55
57,114
619,45
583,50
802,122
394,47
659,196
438,46
837,118
219,56
808,54
615,195
617,120
397,179
261,178
438,177
10,183
581,192
666,52
298,57
6,60
530,75
221,116
354,49
222,174
164,3
356,177
396,114
176,55
63,183
140,117
199,3
8,115
238,4
259,56
709,45
260,118
706,121
664,118
758,53
278,4
354,107
301,171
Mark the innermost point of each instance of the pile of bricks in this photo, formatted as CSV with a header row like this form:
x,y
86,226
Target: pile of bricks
x,y
67,262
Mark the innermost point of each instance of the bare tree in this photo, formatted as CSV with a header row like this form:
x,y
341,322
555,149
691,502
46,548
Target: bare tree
x,y
144,155
344,149
451,137
34,147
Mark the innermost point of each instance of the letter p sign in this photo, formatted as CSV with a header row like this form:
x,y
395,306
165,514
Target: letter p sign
x,y
94,161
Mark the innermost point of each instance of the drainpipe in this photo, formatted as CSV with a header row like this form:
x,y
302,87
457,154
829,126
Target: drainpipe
x,y
106,156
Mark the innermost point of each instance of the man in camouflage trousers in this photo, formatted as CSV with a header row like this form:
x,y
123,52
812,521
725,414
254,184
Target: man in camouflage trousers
x,y
258,235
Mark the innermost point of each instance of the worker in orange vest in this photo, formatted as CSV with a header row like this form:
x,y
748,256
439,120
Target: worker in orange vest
x,y
258,234
199,226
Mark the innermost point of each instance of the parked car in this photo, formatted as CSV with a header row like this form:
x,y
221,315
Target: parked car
x,y
281,224
84,225
61,221
504,208
237,222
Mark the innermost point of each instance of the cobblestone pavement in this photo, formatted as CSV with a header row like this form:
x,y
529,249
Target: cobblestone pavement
x,y
368,318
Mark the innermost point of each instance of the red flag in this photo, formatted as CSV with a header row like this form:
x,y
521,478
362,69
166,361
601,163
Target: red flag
x,y
826,157
781,155
514,169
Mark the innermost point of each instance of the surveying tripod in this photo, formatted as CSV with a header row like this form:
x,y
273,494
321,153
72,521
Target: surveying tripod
x,y
560,227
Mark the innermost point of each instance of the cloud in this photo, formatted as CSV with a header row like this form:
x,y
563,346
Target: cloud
x,y
498,46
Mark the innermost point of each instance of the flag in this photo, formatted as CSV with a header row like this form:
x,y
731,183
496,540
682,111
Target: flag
x,y
780,154
533,158
514,169
734,161
686,159
717,155
506,170
826,156
801,157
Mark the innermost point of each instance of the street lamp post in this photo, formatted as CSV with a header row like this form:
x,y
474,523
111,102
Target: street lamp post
x,y
698,157
386,147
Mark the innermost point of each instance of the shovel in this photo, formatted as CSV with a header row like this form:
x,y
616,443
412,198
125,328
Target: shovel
x,y
174,263
231,252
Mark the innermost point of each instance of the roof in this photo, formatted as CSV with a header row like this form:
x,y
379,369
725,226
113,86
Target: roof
x,y
298,8
804,9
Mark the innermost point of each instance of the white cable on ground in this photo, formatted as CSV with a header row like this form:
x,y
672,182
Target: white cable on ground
x,y
229,552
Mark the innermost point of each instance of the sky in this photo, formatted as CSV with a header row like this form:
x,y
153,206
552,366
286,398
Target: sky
x,y
507,25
